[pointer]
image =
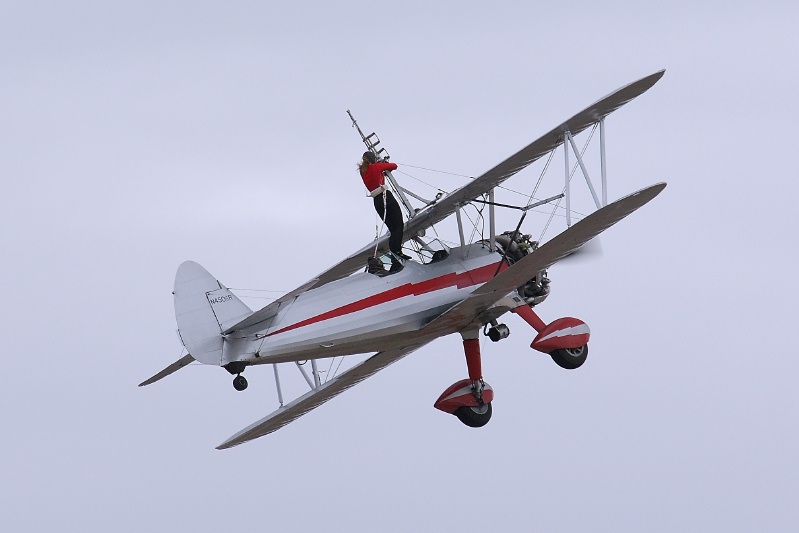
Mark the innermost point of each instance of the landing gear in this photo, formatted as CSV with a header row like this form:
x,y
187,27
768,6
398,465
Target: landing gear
x,y
565,339
469,399
474,417
570,358
239,383
236,368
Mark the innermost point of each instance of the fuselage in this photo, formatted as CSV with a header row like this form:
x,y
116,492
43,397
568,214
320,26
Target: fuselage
x,y
363,312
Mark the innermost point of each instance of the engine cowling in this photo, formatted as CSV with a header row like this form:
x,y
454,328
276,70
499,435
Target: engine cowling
x,y
514,247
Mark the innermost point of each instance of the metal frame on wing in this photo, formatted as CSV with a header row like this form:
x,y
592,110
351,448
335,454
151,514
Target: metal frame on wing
x,y
447,205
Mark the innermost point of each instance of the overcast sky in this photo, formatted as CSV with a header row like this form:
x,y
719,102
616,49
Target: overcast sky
x,y
139,135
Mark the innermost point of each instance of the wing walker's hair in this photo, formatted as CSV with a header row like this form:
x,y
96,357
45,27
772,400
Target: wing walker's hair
x,y
367,159
363,164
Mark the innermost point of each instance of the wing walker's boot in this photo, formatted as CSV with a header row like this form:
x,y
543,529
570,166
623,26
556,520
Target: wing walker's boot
x,y
396,264
375,266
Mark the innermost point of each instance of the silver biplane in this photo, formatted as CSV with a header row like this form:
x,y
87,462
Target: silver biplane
x,y
464,289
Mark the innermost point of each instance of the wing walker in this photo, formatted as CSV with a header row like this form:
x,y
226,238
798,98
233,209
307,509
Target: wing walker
x,y
464,289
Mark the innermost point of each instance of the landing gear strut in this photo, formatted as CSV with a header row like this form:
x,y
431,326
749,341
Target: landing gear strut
x,y
469,399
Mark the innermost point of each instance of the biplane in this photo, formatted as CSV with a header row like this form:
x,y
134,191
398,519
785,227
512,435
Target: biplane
x,y
349,309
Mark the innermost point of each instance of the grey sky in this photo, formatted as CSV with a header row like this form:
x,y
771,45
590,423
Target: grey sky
x,y
137,136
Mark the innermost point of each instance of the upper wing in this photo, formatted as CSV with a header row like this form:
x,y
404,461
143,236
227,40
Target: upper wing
x,y
464,312
319,395
446,206
527,155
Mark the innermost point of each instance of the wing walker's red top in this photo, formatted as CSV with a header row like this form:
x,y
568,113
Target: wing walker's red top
x,y
373,177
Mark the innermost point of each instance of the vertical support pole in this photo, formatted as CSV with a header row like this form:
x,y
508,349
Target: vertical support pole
x,y
566,137
460,231
316,380
304,374
277,382
585,172
491,221
602,161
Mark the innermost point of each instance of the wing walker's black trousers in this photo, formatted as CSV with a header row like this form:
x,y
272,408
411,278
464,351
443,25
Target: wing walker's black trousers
x,y
393,220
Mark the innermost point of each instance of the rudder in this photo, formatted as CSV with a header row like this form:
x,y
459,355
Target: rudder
x,y
204,308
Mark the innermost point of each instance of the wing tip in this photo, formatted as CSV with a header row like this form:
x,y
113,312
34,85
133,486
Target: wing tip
x,y
655,188
233,442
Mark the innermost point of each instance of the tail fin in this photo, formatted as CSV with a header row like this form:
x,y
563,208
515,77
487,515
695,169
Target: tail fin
x,y
204,308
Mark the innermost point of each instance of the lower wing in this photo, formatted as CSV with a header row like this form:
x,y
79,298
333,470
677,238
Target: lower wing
x,y
319,395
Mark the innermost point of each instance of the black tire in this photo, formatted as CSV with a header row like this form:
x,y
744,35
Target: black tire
x,y
239,383
474,417
570,358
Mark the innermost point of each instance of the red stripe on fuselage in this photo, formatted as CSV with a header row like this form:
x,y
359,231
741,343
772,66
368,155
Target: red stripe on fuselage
x,y
466,279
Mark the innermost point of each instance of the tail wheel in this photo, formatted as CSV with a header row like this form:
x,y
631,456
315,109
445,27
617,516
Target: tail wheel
x,y
239,383
570,358
474,417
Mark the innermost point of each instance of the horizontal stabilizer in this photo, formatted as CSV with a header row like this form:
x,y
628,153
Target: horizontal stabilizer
x,y
318,396
174,367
